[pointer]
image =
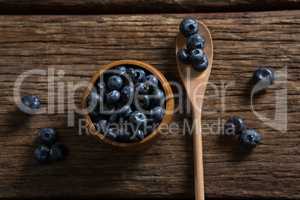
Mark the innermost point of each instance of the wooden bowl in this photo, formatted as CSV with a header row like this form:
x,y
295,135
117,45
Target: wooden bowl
x,y
169,109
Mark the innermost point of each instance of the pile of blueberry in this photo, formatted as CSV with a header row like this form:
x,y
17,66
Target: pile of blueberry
x,y
193,53
126,104
48,148
236,126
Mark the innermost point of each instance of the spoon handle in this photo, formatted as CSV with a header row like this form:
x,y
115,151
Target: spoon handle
x,y
198,159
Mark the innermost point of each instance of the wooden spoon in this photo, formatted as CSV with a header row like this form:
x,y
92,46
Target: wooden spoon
x,y
195,84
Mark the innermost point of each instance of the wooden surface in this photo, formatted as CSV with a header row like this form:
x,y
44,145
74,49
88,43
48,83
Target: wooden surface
x,y
80,44
139,6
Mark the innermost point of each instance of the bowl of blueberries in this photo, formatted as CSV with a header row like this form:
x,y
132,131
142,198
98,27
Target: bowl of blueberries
x,y
127,103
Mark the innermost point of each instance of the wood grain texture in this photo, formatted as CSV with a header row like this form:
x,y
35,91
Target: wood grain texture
x,y
80,44
139,6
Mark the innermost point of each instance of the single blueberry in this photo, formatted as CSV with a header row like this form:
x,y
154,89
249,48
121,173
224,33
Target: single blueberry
x,y
122,70
115,82
41,154
157,98
138,118
183,56
101,125
250,137
127,93
139,134
93,99
201,65
197,56
157,113
57,152
152,79
188,26
113,97
47,136
195,41
125,111
234,126
262,78
111,133
139,75
30,103
141,88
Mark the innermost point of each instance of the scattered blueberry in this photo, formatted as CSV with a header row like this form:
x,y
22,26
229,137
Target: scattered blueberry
x,y
188,26
115,82
152,79
183,56
30,103
250,137
41,154
57,152
234,126
201,65
262,78
195,41
47,136
113,96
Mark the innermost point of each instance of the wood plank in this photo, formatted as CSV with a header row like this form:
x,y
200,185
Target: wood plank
x,y
79,45
138,6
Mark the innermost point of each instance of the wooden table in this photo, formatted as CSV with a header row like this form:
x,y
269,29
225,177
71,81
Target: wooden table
x,y
80,44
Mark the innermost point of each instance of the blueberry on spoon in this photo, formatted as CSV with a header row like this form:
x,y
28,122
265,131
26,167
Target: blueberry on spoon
x,y
188,26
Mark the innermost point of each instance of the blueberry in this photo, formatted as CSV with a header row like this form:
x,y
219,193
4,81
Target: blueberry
x,y
127,93
115,82
141,88
138,118
250,137
183,56
152,79
139,75
157,113
30,103
157,97
93,99
111,133
57,152
125,111
100,87
188,26
113,97
262,78
41,154
47,136
197,56
131,73
195,41
122,70
123,136
139,134
101,125
144,101
234,126
201,65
